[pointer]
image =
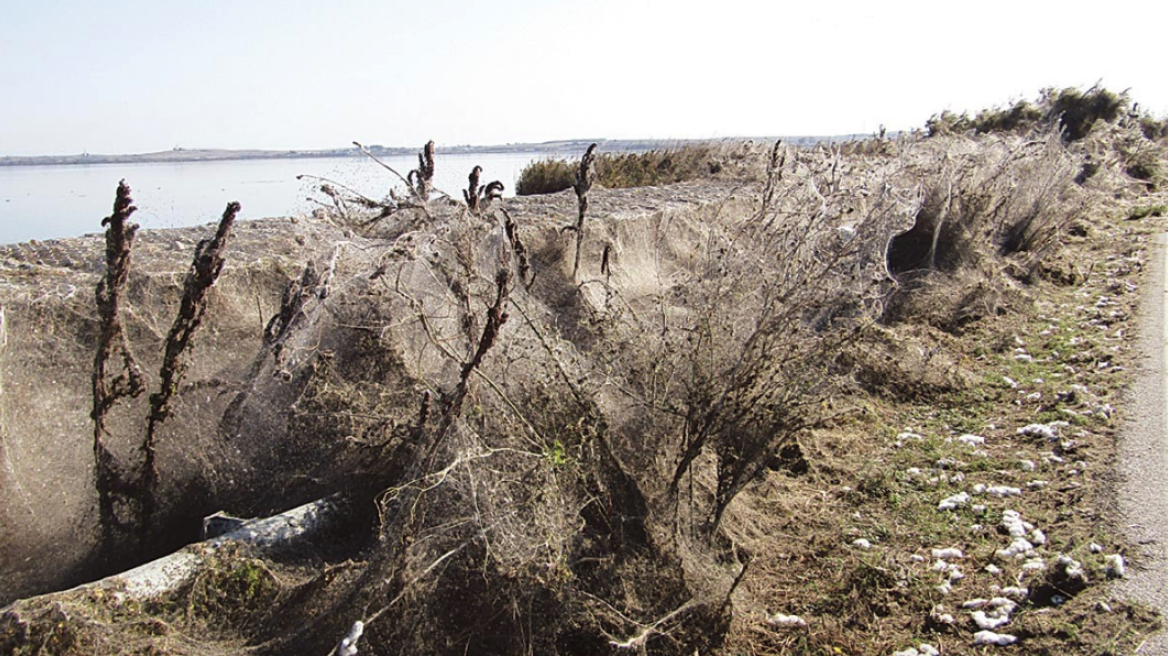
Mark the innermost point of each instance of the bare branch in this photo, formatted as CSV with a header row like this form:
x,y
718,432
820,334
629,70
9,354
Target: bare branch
x,y
584,178
110,481
385,166
204,271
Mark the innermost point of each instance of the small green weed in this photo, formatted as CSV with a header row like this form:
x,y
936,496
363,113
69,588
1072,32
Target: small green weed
x,y
556,455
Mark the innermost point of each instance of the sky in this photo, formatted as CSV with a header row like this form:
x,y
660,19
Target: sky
x,y
130,77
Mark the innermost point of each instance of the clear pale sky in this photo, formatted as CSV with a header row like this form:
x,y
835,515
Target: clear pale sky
x,y
124,77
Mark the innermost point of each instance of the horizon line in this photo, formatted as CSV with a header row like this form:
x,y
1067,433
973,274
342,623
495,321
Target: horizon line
x,y
176,152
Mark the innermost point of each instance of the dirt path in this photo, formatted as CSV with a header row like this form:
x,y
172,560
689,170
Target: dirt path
x,y
1143,454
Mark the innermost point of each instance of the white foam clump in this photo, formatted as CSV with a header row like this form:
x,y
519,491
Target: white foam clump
x,y
998,613
1018,548
949,553
1015,591
1071,567
1002,491
348,644
1026,465
954,502
862,543
1012,521
993,569
971,440
1114,566
779,619
942,566
986,621
1034,565
1038,537
924,649
987,637
906,436
1045,431
1037,484
1003,603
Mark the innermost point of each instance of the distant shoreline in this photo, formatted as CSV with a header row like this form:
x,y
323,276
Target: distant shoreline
x,y
219,155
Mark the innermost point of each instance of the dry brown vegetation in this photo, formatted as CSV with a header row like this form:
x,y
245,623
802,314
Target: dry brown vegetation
x,y
655,167
725,424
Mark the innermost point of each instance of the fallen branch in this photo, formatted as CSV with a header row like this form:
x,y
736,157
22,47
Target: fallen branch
x,y
167,574
638,641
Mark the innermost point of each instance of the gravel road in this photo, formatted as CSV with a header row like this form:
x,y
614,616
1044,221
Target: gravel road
x,y
1143,455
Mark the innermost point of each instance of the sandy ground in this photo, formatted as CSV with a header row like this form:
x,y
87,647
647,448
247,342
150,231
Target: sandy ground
x,y
1143,455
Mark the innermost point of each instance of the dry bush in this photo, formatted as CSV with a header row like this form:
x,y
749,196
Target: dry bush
x,y
651,168
1001,205
802,273
556,452
559,454
1116,127
1120,159
545,176
401,209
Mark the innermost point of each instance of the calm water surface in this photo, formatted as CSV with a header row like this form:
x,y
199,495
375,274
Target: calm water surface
x,y
50,202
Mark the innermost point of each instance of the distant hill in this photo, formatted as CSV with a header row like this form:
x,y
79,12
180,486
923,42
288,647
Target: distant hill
x,y
550,147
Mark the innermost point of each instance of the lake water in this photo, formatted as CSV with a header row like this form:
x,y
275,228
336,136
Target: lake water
x,y
50,202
